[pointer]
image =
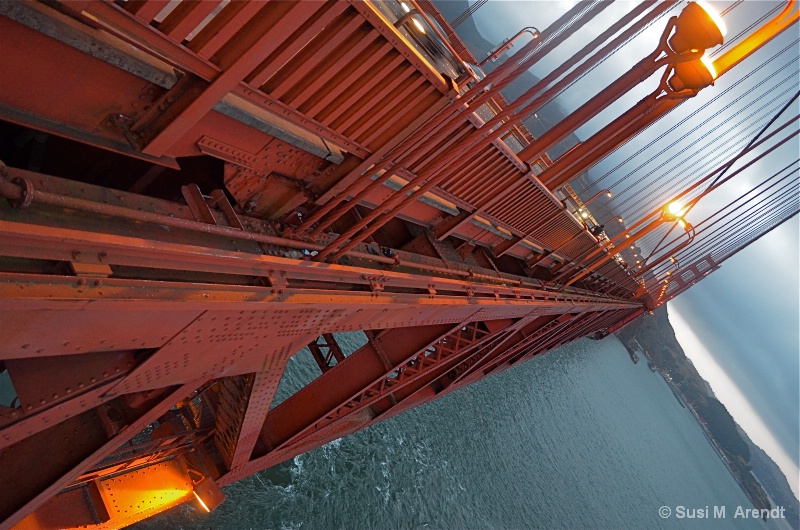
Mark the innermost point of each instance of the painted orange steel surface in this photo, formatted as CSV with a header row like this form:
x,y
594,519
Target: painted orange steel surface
x,y
227,183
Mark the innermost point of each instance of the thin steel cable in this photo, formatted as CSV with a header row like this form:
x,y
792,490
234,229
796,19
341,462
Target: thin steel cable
x,y
731,209
666,184
716,98
683,171
744,216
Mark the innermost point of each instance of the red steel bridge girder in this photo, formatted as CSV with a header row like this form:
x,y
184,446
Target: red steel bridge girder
x,y
178,333
134,305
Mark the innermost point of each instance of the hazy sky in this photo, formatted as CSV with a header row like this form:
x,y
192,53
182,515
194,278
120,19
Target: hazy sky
x,y
740,328
740,325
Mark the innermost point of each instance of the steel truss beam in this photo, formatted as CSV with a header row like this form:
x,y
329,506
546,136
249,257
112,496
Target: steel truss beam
x,y
139,308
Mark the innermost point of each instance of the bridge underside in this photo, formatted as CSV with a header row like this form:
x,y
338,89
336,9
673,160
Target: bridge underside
x,y
116,323
156,274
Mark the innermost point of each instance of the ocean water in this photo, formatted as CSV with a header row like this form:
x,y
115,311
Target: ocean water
x,y
580,437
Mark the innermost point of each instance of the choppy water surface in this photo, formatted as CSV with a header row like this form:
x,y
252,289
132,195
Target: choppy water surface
x,y
581,437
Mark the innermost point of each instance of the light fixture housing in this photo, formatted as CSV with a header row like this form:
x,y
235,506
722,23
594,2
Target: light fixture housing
x,y
692,75
208,494
698,28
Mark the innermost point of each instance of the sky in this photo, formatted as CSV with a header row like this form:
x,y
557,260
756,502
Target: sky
x,y
741,333
740,326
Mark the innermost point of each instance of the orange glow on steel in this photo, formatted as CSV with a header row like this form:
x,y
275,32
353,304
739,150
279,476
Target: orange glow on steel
x,y
196,496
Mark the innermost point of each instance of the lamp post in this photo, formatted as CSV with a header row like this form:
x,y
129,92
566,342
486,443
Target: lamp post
x,y
492,56
689,229
582,204
695,31
673,48
672,212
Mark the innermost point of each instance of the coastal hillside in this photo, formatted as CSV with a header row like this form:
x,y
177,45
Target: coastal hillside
x,y
653,335
774,481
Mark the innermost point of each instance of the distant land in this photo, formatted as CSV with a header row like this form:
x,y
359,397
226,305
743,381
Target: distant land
x,y
757,474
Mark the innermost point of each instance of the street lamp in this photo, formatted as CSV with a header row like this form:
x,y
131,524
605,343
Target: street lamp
x,y
695,30
698,27
690,232
493,55
693,75
673,211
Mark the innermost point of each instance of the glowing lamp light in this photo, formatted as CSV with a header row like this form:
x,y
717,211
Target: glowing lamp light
x,y
693,75
674,208
673,211
699,27
715,17
709,64
419,26
208,494
619,219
